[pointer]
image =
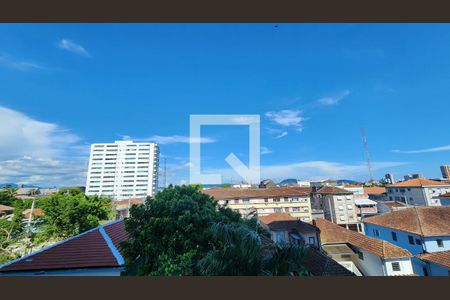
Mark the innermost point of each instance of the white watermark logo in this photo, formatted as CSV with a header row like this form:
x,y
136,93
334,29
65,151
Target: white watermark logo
x,y
250,173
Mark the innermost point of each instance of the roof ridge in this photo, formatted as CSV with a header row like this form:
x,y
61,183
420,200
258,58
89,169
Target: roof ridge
x,y
115,252
57,244
419,220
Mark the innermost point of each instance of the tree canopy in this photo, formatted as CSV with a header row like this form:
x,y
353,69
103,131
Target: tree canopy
x,y
70,212
182,231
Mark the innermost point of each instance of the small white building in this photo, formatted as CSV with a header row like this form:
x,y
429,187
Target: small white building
x,y
418,191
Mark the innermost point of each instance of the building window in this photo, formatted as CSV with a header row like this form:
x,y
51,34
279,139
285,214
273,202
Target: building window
x,y
266,200
394,236
361,255
396,266
390,198
311,240
349,206
279,236
341,207
411,239
376,232
246,200
418,242
440,243
425,271
342,218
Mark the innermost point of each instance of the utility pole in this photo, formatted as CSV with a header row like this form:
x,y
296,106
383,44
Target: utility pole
x,y
366,153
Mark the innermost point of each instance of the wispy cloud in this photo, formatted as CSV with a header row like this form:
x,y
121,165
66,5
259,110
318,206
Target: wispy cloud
x,y
18,64
283,134
287,118
265,150
333,100
172,139
427,150
73,47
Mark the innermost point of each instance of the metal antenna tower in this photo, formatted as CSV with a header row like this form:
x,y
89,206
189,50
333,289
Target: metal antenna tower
x,y
366,153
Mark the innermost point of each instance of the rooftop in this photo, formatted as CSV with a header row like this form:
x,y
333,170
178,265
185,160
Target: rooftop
x,y
6,208
276,217
375,190
96,248
418,182
237,193
292,225
123,204
364,201
441,258
331,233
420,220
332,190
320,264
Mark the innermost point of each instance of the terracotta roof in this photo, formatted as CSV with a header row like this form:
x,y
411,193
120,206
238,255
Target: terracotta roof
x,y
420,220
441,258
393,204
320,264
123,204
332,190
418,182
276,217
331,233
237,193
315,262
96,248
6,208
375,190
37,212
289,225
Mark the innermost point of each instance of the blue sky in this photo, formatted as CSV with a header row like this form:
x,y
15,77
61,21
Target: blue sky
x,y
64,86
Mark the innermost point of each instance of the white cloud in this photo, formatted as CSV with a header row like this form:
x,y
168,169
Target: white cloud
x,y
21,65
172,139
427,150
43,171
326,101
283,134
265,150
73,47
33,151
21,135
287,118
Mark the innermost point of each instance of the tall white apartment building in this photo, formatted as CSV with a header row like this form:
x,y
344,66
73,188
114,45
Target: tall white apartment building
x,y
123,169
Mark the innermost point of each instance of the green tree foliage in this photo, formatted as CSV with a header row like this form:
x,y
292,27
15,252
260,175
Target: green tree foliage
x,y
8,196
185,232
70,212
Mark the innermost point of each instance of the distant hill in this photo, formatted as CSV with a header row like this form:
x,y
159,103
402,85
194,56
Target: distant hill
x,y
17,185
289,181
346,181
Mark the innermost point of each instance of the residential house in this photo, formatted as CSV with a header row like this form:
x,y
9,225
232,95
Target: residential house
x,y
26,193
365,207
37,212
357,190
267,183
284,228
390,206
375,193
316,262
419,229
293,200
337,204
434,264
444,199
5,210
92,253
123,206
418,191
361,254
